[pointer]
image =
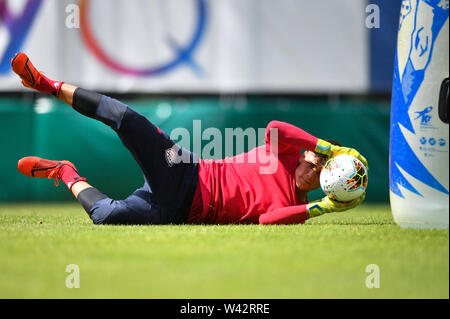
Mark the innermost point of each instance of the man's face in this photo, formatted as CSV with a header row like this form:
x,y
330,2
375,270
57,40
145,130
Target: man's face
x,y
307,173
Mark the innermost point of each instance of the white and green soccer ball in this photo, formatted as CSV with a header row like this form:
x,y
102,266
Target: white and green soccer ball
x,y
343,178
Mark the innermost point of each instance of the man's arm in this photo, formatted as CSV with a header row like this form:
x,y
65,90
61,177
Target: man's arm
x,y
283,138
287,138
300,213
285,216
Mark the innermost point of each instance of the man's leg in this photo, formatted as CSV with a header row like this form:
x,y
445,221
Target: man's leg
x,y
138,208
172,184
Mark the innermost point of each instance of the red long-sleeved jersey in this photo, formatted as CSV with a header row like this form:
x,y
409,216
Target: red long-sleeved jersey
x,y
254,187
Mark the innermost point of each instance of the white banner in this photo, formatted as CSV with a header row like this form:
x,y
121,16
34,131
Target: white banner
x,y
226,46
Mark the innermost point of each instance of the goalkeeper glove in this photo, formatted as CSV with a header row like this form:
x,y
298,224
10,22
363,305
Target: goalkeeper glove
x,y
330,150
328,205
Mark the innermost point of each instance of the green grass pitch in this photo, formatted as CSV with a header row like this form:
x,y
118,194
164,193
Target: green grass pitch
x,y
325,258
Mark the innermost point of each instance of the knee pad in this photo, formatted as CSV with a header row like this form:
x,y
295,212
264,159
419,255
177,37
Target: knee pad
x,y
111,112
102,210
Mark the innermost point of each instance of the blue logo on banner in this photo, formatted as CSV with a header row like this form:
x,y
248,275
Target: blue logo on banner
x,y
183,54
423,116
432,141
403,92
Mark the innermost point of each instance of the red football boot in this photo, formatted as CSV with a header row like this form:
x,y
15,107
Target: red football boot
x,y
32,78
33,166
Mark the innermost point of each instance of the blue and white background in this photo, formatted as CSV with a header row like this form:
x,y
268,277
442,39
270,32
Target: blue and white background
x,y
419,151
283,46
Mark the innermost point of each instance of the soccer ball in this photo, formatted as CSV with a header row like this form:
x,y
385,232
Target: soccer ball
x,y
343,178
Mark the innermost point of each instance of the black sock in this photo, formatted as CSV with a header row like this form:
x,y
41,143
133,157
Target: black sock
x,y
88,197
86,102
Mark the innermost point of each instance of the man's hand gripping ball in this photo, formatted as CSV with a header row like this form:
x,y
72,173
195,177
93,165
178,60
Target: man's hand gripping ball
x,y
330,150
328,205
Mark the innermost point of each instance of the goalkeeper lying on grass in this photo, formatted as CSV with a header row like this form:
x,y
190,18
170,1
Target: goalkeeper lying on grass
x,y
191,191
